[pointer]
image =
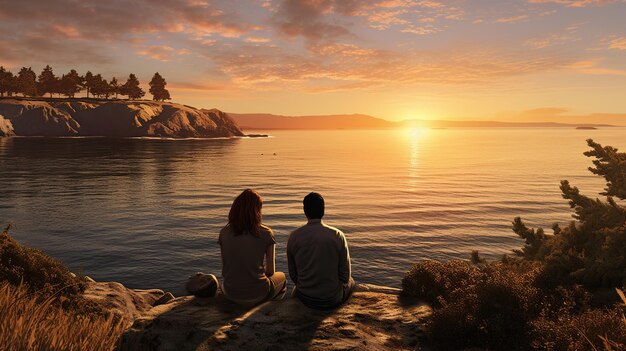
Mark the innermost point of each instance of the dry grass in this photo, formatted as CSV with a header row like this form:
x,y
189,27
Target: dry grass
x,y
31,323
610,345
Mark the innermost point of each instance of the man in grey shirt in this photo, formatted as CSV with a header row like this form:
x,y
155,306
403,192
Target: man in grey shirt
x,y
319,259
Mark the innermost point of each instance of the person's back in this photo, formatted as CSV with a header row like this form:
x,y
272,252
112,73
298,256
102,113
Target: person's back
x,y
245,243
319,260
242,264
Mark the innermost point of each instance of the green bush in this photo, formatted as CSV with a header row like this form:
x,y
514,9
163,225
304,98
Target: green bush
x,y
43,275
434,281
592,250
483,307
556,293
587,330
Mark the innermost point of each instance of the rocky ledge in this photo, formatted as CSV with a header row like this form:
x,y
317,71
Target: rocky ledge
x,y
375,318
58,117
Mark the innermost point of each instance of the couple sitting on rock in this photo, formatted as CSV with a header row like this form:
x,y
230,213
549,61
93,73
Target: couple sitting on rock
x,y
317,255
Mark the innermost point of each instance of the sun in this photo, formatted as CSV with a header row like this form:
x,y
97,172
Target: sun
x,y
415,132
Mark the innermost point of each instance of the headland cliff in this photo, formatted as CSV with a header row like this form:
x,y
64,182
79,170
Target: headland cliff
x,y
118,118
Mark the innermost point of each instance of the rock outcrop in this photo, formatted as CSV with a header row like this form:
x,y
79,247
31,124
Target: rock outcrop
x,y
112,119
129,304
375,318
6,127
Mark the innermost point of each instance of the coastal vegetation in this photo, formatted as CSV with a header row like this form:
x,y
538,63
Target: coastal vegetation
x,y
561,291
27,83
42,305
31,322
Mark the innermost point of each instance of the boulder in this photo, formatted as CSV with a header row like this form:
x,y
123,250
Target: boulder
x,y
129,304
6,127
375,318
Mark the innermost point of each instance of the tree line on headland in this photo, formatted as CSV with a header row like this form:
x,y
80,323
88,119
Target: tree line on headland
x,y
27,83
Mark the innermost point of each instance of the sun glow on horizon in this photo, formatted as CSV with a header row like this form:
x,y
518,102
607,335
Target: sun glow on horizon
x,y
415,132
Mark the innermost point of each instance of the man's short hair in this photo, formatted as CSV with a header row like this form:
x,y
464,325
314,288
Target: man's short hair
x,y
313,206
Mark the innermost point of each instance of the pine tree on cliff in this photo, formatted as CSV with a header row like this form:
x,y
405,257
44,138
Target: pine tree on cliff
x,y
27,82
71,83
114,86
591,250
132,89
99,86
157,88
48,82
6,82
88,82
104,88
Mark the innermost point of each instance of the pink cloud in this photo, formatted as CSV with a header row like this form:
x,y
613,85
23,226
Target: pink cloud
x,y
574,3
512,19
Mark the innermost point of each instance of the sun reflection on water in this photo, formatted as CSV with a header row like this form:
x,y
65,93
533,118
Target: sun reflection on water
x,y
415,138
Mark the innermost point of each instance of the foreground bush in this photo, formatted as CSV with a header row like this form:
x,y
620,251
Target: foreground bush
x,y
39,271
557,293
29,322
43,275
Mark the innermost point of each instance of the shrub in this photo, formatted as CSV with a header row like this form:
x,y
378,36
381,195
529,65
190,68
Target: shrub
x,y
43,276
489,309
588,330
432,280
41,273
591,251
557,293
29,322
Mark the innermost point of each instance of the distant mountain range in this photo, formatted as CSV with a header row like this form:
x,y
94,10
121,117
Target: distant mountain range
x,y
358,121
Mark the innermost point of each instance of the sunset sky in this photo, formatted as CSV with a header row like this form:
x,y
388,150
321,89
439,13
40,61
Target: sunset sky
x,y
548,60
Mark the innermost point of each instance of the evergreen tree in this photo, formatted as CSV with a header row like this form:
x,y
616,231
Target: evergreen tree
x,y
591,250
6,81
71,83
157,88
99,86
27,82
12,85
114,86
131,88
48,82
88,82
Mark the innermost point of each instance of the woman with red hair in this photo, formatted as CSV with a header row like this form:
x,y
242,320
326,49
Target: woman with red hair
x,y
245,244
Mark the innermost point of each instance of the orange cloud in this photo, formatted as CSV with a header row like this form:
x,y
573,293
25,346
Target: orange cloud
x,y
593,67
257,40
162,53
348,66
68,31
512,19
186,86
618,43
575,3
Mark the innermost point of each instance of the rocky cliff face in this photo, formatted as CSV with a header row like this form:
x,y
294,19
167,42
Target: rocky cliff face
x,y
112,119
375,318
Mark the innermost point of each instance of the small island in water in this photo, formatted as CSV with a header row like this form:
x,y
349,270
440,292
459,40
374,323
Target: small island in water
x,y
111,118
586,127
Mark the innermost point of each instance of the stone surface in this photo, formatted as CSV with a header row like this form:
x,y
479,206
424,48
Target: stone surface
x,y
375,318
119,118
6,127
130,304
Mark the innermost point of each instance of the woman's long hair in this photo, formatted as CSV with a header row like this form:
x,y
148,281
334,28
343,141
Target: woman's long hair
x,y
245,213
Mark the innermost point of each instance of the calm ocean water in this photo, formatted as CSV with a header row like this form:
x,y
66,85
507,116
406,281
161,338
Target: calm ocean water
x,y
147,212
